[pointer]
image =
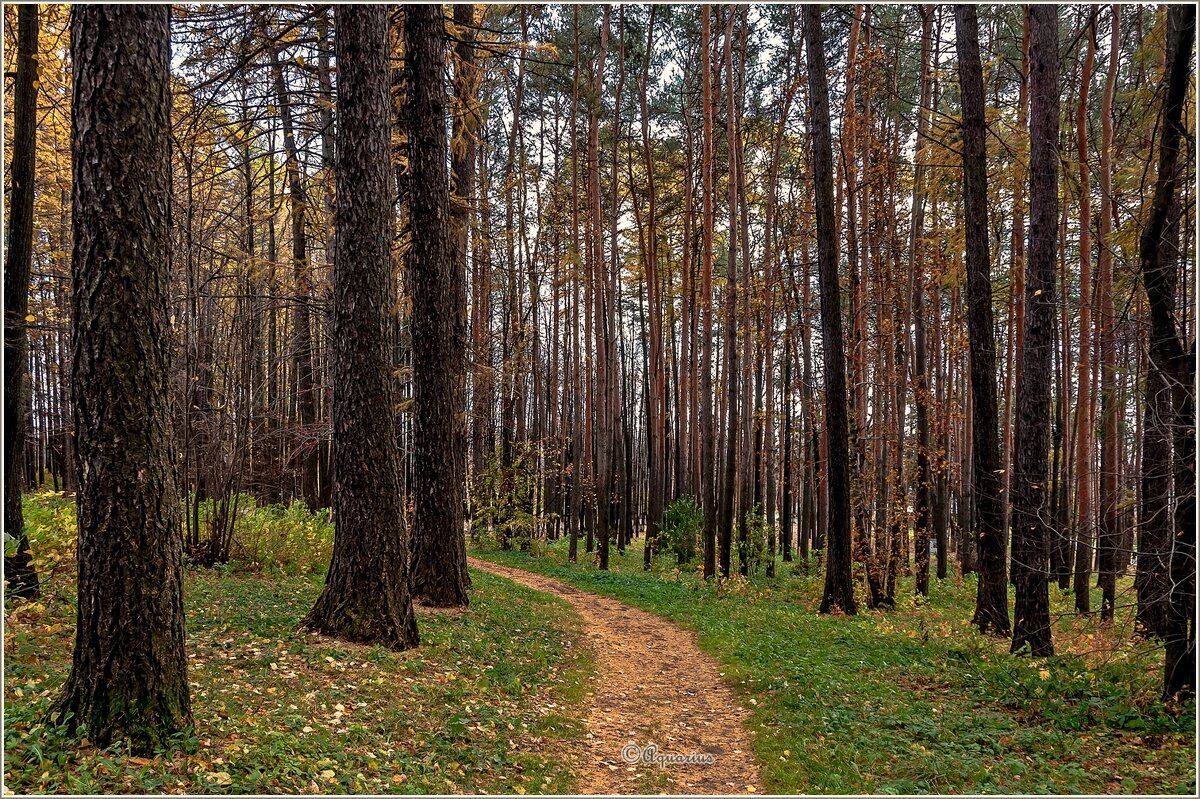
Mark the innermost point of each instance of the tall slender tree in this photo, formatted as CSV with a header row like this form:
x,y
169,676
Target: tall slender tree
x,y
19,571
1110,410
707,464
1031,511
991,600
839,589
1174,361
1084,534
366,596
128,676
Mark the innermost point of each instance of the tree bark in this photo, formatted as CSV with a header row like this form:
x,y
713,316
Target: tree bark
x,y
1173,360
1110,409
128,675
839,590
366,596
19,572
1083,408
991,601
438,574
1031,513
708,485
921,496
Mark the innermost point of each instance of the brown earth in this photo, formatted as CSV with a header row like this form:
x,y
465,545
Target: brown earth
x,y
653,686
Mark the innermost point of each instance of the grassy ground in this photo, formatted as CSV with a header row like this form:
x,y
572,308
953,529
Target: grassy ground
x,y
914,700
484,705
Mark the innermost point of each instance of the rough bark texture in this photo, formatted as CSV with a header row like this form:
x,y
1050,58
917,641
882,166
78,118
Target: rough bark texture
x,y
1031,511
365,598
1170,357
991,601
839,590
439,553
128,675
19,571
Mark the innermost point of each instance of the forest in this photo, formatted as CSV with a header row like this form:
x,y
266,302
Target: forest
x,y
626,398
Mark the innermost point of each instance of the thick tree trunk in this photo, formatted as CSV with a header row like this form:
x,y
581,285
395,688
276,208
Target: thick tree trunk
x,y
128,675
991,601
839,589
19,571
438,573
366,597
1031,513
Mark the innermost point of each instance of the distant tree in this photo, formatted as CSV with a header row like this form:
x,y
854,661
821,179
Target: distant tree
x,y
439,556
991,601
366,597
1031,511
707,425
839,589
1084,438
128,676
19,571
1110,410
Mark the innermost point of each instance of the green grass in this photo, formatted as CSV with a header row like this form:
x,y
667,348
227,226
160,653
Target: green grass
x,y
486,703
914,700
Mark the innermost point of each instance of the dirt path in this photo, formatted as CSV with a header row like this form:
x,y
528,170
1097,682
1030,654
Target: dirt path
x,y
653,686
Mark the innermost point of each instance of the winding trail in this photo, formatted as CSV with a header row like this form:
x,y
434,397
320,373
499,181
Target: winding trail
x,y
653,686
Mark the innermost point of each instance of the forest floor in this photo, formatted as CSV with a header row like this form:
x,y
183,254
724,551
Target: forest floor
x,y
655,688
911,700
490,702
502,697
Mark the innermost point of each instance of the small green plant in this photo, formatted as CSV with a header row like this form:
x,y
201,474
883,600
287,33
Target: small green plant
x,y
682,525
503,506
752,552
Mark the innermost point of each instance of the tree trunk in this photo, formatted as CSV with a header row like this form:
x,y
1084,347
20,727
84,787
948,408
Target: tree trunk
x,y
991,601
1170,357
732,373
302,347
921,498
1031,514
1109,537
839,590
707,435
19,572
366,597
438,571
128,675
1083,407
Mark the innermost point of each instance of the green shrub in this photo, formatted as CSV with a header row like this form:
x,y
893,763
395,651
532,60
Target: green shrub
x,y
290,538
752,552
682,526
502,514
